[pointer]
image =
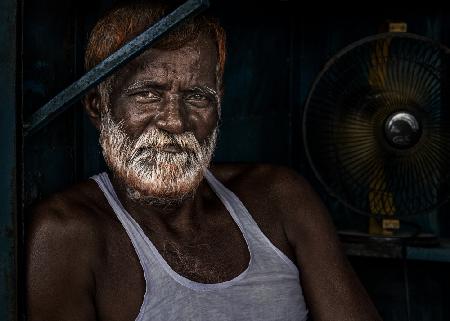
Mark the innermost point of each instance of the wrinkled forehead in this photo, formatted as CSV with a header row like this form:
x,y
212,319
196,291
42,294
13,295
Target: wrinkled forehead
x,y
194,60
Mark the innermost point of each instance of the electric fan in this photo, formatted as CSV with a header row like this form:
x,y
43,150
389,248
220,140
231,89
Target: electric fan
x,y
376,128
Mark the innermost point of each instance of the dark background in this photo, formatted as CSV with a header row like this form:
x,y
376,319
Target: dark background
x,y
275,50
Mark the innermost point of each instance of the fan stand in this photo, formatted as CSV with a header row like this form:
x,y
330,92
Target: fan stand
x,y
419,240
392,231
385,227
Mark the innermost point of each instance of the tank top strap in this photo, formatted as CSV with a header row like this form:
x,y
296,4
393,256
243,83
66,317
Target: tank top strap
x,y
258,241
137,236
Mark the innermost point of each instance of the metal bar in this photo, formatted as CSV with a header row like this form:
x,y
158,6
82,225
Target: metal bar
x,y
8,170
133,48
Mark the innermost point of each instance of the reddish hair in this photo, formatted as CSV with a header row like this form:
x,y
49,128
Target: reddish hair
x,y
127,20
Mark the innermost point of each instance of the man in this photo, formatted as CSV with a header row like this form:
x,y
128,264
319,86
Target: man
x,y
165,236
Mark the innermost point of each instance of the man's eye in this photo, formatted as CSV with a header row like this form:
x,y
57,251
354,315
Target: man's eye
x,y
146,96
198,100
197,97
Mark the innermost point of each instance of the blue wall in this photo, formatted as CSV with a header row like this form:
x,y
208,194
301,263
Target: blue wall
x,y
8,166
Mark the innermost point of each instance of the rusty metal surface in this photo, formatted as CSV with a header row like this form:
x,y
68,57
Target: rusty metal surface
x,y
8,200
133,48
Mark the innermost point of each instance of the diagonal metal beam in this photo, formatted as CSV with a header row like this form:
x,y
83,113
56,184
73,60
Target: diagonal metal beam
x,y
130,50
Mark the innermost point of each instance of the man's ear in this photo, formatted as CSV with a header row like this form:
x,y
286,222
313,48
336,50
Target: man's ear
x,y
92,105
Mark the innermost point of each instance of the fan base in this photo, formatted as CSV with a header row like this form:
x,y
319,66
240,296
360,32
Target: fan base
x,y
398,237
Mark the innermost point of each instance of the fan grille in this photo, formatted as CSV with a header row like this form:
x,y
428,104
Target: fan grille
x,y
344,125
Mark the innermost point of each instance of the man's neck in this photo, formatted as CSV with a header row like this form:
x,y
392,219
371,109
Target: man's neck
x,y
178,215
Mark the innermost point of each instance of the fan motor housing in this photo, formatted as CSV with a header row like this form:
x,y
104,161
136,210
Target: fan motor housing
x,y
402,129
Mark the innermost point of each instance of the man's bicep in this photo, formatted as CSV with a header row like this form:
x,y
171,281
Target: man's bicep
x,y
331,288
59,278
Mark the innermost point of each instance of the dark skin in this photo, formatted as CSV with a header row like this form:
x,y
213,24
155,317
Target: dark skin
x,y
81,264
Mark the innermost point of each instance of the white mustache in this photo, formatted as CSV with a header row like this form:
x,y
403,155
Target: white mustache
x,y
158,139
150,144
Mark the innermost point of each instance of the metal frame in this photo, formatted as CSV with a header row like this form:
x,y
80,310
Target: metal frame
x,y
130,50
8,161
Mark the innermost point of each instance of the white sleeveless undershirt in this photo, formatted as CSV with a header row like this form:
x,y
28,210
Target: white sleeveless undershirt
x,y
269,289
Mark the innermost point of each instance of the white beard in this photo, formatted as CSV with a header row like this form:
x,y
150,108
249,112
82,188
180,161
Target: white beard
x,y
151,175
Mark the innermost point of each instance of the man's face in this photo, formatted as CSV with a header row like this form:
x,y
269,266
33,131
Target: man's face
x,y
159,129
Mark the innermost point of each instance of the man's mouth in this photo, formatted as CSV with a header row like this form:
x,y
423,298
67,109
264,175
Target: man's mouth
x,y
171,148
168,148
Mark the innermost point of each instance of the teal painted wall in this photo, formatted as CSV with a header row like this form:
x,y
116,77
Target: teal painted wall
x,y
8,164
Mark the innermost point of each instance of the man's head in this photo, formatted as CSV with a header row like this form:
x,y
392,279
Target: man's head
x,y
158,115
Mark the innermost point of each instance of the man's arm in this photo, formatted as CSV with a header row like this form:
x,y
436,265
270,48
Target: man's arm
x,y
60,279
331,288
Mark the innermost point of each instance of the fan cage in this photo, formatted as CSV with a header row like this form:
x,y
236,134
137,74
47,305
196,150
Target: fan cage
x,y
351,98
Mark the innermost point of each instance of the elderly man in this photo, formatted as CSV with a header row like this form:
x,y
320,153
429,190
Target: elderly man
x,y
164,235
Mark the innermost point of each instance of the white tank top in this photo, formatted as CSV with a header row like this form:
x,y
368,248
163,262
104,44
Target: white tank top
x,y
269,289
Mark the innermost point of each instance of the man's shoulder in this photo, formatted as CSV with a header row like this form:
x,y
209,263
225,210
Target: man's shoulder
x,y
279,189
64,250
272,178
70,214
277,197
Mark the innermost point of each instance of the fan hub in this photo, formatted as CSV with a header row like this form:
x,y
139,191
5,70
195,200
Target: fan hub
x,y
402,130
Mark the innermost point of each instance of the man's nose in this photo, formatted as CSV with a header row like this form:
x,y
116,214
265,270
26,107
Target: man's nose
x,y
171,116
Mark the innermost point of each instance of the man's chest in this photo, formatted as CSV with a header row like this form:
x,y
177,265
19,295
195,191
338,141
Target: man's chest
x,y
211,256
